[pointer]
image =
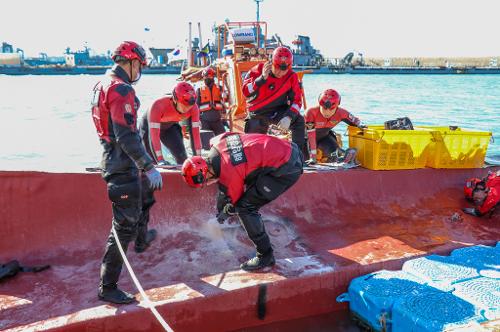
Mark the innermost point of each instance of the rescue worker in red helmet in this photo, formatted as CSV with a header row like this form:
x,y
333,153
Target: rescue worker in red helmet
x,y
251,170
470,185
166,121
485,195
126,167
274,96
209,101
321,119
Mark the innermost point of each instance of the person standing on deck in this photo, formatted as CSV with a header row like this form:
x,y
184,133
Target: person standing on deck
x,y
126,167
252,170
274,96
209,101
168,120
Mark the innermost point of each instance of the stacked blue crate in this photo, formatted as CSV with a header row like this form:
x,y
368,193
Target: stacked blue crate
x,y
480,257
431,293
433,312
483,293
371,296
440,271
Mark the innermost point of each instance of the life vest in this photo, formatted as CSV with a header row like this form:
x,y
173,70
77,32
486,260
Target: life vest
x,y
210,99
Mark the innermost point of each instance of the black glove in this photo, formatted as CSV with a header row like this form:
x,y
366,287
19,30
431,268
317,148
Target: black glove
x,y
221,217
227,211
471,211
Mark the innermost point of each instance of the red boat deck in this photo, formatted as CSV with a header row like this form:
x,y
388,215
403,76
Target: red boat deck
x,y
328,229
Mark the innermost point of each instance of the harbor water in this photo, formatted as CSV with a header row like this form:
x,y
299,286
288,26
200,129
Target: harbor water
x,y
47,125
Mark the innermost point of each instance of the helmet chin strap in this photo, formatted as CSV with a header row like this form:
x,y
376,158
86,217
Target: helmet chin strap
x,y
138,77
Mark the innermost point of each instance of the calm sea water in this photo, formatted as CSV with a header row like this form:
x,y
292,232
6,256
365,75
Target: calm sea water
x,y
46,122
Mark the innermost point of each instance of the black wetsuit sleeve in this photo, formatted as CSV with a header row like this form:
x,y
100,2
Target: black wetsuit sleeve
x,y
124,125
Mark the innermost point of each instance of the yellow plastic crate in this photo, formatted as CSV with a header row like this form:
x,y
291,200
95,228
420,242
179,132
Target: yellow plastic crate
x,y
381,149
459,148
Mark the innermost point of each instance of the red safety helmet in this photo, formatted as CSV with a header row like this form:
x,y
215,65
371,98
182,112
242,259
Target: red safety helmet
x,y
184,93
469,187
282,58
208,72
194,171
329,99
130,50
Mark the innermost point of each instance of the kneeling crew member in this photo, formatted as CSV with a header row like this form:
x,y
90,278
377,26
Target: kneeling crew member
x,y
160,124
321,119
252,170
484,193
126,167
209,101
274,96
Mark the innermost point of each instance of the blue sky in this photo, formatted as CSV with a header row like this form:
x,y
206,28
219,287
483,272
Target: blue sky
x,y
377,28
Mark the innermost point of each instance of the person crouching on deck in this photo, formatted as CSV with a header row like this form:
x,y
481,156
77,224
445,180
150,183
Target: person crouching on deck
x,y
321,119
485,194
252,170
160,124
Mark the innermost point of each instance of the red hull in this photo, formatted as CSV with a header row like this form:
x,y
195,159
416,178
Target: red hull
x,y
328,229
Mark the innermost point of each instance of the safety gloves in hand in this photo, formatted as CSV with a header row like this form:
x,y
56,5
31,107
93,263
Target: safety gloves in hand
x,y
284,124
155,180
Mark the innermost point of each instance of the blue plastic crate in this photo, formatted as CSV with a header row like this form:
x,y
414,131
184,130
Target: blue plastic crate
x,y
483,293
440,271
480,257
371,296
434,311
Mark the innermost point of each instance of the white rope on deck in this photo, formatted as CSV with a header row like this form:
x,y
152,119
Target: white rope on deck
x,y
147,301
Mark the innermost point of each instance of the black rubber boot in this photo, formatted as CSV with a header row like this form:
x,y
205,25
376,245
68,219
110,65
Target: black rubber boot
x,y
150,236
258,262
115,295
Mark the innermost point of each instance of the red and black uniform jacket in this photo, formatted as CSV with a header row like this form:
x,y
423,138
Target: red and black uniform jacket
x,y
238,159
493,198
162,115
318,126
272,94
209,98
114,111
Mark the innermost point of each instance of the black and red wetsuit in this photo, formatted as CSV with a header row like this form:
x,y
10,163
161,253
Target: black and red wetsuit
x,y
209,101
114,111
253,170
160,124
493,198
319,129
269,100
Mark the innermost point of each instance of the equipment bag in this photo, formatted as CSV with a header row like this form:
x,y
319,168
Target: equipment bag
x,y
399,124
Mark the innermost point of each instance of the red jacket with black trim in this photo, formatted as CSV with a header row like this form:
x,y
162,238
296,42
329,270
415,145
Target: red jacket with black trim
x,y
273,93
163,111
316,121
244,156
493,198
114,111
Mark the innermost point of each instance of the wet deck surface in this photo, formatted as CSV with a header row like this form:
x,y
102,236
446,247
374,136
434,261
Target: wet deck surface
x,y
326,230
